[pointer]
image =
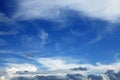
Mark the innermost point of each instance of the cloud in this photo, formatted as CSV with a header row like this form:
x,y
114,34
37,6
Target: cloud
x,y
101,9
43,36
2,73
59,66
9,71
39,41
102,31
60,63
4,18
105,67
30,41
2,78
12,68
3,33
7,20
17,52
117,57
8,23
12,59
96,39
2,42
57,63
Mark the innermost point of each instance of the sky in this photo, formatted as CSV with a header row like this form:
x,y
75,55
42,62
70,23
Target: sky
x,y
60,34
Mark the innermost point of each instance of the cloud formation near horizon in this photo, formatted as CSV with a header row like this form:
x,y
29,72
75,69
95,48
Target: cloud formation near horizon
x,y
58,66
105,10
57,63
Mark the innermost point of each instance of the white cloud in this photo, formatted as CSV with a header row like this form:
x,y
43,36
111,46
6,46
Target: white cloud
x,y
12,68
57,63
9,71
59,66
2,78
105,67
102,9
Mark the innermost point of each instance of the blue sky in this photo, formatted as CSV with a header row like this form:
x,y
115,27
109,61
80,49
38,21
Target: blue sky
x,y
69,30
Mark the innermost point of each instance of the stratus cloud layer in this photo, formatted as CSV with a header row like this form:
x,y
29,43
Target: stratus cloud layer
x,y
102,9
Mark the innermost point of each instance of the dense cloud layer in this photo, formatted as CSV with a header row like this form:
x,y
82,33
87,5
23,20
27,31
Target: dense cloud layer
x,y
109,75
56,66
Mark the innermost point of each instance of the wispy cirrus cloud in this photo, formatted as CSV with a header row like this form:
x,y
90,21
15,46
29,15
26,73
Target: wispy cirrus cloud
x,y
117,57
4,18
101,31
4,33
18,51
7,20
43,36
37,41
8,23
106,10
2,42
96,39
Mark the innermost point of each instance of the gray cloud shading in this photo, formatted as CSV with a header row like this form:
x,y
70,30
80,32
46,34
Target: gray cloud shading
x,y
109,75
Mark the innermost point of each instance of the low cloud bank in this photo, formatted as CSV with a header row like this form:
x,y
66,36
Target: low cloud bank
x,y
57,63
56,66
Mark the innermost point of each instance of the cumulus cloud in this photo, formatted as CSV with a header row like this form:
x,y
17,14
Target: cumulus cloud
x,y
9,71
102,9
